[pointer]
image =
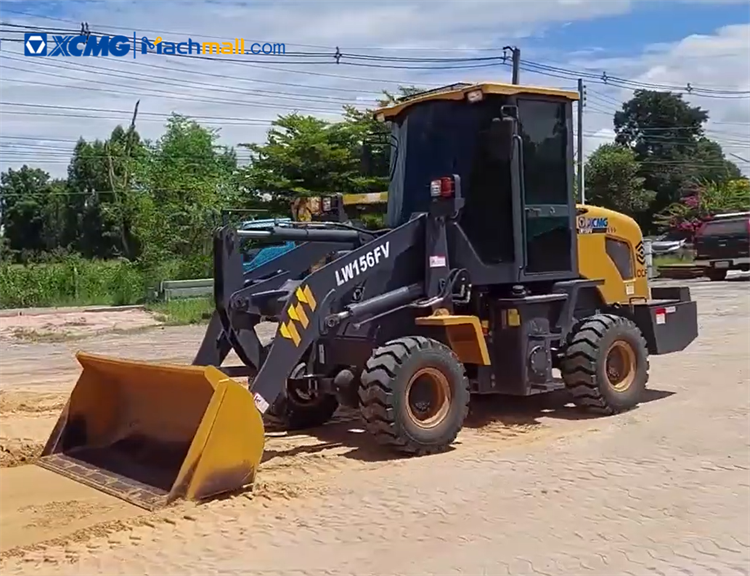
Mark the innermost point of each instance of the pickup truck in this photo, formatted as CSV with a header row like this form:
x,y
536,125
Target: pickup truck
x,y
723,244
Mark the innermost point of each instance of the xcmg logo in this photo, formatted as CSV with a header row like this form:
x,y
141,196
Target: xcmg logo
x,y
37,45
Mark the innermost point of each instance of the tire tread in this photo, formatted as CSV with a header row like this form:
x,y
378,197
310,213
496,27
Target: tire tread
x,y
579,369
377,396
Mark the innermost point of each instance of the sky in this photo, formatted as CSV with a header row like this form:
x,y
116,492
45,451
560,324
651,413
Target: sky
x,y
47,103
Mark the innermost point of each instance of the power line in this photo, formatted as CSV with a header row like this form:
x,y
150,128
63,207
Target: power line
x,y
130,112
334,58
233,78
64,20
722,123
163,94
140,76
603,78
643,132
369,60
231,61
221,123
318,46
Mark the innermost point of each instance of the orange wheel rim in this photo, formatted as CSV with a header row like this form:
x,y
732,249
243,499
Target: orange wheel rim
x,y
620,366
428,397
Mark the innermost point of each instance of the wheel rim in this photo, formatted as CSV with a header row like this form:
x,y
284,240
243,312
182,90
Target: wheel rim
x,y
428,397
620,366
300,393
301,396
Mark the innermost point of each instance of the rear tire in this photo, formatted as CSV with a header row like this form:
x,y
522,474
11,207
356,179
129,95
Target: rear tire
x,y
414,395
298,410
606,364
716,274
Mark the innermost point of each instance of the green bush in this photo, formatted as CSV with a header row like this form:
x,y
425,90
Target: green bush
x,y
73,281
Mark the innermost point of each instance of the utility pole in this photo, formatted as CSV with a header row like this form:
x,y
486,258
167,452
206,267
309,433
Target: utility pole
x,y
516,62
581,103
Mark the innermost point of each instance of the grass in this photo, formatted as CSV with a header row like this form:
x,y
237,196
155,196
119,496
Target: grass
x,y
672,259
73,282
183,311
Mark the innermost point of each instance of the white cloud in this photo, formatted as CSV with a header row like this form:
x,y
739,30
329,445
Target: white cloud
x,y
711,1
224,90
166,84
720,61
593,140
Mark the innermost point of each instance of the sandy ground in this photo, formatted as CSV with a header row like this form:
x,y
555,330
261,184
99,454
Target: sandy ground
x,y
38,366
62,527
37,377
30,515
71,323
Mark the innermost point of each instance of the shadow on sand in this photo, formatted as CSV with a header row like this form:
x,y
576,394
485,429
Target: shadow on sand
x,y
347,429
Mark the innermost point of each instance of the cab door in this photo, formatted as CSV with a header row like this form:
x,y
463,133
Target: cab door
x,y
546,194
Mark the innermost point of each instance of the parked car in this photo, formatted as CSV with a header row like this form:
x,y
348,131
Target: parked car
x,y
723,244
669,243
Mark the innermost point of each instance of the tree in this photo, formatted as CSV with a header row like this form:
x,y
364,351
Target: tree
x,y
181,189
612,180
304,155
656,124
667,136
55,215
30,210
124,151
101,183
707,162
705,200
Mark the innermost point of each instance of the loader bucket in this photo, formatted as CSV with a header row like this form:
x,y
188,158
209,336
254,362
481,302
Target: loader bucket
x,y
151,433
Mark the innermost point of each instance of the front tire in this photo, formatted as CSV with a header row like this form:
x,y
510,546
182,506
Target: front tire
x,y
605,365
414,395
716,274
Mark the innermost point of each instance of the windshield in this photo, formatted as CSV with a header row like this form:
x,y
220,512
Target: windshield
x,y
722,227
438,138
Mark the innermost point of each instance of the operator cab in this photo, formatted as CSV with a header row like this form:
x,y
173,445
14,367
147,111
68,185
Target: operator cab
x,y
512,147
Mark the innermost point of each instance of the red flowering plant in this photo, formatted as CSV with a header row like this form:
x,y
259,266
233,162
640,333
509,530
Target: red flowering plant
x,y
701,202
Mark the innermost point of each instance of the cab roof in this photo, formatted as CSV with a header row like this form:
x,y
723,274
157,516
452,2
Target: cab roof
x,y
460,90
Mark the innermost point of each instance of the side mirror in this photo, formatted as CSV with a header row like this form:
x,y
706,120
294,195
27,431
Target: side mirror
x,y
509,111
502,131
501,139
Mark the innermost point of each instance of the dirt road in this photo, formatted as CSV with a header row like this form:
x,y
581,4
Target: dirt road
x,y
531,488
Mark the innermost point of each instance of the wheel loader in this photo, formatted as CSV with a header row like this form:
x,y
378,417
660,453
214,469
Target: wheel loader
x,y
489,279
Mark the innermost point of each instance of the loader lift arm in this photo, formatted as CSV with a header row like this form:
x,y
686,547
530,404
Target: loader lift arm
x,y
309,310
234,289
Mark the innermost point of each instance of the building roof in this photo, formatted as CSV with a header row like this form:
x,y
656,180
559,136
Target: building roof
x,y
460,90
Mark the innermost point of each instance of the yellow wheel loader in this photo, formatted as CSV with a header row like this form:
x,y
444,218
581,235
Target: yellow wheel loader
x,y
489,279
